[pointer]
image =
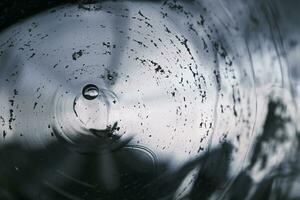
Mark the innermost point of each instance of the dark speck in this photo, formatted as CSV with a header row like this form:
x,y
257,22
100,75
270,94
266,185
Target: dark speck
x,y
35,104
77,55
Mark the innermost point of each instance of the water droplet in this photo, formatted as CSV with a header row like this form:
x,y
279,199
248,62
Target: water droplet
x,y
90,92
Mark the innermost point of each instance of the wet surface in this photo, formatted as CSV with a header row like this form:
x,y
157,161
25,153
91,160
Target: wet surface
x,y
150,100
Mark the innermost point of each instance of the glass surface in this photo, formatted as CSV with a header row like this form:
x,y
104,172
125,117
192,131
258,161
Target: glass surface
x,y
149,100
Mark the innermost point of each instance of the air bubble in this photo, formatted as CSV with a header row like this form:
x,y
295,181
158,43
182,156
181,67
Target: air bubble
x,y
90,92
